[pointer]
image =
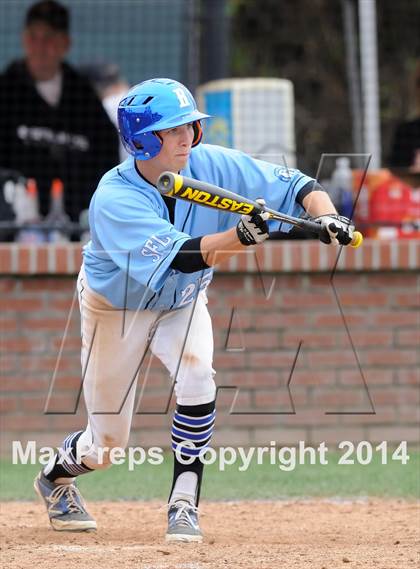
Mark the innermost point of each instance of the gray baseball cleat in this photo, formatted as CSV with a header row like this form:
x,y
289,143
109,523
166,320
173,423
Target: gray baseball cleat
x,y
65,505
183,522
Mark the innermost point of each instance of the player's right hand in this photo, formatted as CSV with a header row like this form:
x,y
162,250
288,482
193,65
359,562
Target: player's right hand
x,y
253,229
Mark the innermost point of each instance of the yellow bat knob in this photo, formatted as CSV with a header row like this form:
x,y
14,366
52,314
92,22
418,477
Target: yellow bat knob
x,y
357,240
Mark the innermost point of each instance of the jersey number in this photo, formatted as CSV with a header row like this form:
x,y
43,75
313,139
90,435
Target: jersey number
x,y
188,293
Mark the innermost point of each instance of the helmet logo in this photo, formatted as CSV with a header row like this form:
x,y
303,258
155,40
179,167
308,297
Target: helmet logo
x,y
182,98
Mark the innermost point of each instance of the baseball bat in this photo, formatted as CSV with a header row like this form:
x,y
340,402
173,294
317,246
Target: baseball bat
x,y
208,195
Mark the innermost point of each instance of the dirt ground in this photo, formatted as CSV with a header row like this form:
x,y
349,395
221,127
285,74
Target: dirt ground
x,y
316,534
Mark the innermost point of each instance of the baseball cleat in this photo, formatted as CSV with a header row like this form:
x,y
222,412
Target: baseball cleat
x,y
65,505
183,522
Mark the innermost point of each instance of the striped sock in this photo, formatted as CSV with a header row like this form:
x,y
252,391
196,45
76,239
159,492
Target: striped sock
x,y
192,430
68,467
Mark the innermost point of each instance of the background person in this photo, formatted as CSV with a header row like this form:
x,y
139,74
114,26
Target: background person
x,y
52,124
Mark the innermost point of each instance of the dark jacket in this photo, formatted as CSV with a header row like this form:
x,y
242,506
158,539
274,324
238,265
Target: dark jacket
x,y
74,141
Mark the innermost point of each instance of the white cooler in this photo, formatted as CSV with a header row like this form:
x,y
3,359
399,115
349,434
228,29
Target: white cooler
x,y
253,115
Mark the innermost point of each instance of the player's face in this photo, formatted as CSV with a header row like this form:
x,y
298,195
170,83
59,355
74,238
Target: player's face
x,y
176,147
44,49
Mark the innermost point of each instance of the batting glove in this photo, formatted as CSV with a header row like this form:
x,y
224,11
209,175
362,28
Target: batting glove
x,y
336,228
253,229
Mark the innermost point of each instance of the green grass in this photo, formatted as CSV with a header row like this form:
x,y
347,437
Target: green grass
x,y
265,481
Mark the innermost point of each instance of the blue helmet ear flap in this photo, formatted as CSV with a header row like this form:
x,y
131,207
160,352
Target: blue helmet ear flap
x,y
147,145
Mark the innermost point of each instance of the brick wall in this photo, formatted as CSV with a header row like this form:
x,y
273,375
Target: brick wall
x,y
310,345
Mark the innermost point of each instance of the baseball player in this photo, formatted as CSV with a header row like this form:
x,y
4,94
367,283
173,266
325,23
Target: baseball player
x,y
143,285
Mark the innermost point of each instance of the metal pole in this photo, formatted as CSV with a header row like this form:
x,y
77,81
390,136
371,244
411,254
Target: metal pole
x,y
353,74
370,90
215,35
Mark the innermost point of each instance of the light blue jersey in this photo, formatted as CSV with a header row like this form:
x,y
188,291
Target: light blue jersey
x,y
133,242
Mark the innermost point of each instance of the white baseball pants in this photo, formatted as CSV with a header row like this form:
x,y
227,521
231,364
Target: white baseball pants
x,y
114,342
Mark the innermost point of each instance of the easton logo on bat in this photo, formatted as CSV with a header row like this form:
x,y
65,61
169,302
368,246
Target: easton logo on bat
x,y
219,202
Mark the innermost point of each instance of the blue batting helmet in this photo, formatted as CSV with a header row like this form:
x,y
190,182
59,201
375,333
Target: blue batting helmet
x,y
151,106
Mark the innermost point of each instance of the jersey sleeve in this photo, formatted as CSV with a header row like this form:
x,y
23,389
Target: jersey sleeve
x,y
136,238
252,178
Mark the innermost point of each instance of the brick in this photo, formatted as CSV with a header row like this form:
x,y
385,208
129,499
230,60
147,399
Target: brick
x,y
336,358
391,280
21,304
77,257
8,362
308,300
71,344
61,263
383,416
239,402
57,403
310,339
48,284
256,419
275,360
47,363
24,254
340,399
385,255
407,299
58,324
344,281
394,434
336,435
153,402
371,376
229,360
65,306
312,377
407,337
388,357
67,382
249,378
274,400
282,437
227,283
363,298
279,320
5,258
20,384
8,404
25,422
282,282
308,417
395,395
8,285
236,438
411,414
8,325
395,318
260,340
154,421
23,344
67,423
42,260
410,376
332,321
369,338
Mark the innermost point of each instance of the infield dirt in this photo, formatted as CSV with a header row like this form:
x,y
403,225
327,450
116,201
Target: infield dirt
x,y
316,534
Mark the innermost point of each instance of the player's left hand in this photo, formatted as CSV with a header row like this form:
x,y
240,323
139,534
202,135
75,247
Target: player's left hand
x,y
253,229
337,228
